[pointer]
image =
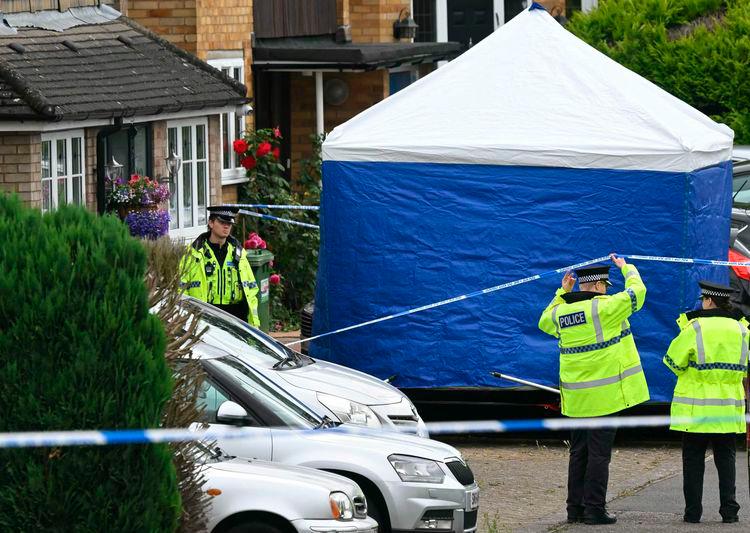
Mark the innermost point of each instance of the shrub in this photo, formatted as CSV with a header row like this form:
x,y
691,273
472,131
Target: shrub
x,y
79,350
695,49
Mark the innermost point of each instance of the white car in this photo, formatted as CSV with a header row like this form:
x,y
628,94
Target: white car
x,y
328,389
410,483
261,497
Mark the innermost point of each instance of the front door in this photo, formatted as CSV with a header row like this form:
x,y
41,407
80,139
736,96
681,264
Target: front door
x,y
469,21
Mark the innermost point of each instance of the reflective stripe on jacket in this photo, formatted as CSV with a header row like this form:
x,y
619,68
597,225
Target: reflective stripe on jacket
x,y
600,369
710,358
226,284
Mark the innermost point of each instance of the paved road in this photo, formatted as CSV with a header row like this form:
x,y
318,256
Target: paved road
x,y
658,507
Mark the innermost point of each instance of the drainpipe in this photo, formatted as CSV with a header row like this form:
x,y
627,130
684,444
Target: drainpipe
x,y
319,111
101,161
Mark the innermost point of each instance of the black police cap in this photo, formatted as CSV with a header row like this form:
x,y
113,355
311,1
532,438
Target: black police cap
x,y
594,273
224,213
710,289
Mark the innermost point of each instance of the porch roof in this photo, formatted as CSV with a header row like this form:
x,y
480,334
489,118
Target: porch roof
x,y
112,67
322,53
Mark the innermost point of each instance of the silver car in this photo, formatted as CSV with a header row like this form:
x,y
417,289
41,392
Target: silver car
x,y
410,483
328,389
257,496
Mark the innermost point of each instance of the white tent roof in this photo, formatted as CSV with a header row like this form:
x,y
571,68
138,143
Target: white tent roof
x,y
534,94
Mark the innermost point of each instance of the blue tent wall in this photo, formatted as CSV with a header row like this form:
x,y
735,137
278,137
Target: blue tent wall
x,y
400,235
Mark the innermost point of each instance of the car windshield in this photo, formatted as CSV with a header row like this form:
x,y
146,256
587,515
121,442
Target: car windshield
x,y
741,190
236,337
283,406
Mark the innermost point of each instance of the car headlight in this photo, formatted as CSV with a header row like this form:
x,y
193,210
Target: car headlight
x,y
417,469
342,507
349,411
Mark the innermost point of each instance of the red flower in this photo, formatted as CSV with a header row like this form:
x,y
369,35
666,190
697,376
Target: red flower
x,y
263,149
274,279
248,244
276,152
248,162
277,132
240,146
134,179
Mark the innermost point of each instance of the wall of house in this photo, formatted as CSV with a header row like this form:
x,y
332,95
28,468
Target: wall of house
x,y
174,20
21,166
89,151
365,90
372,20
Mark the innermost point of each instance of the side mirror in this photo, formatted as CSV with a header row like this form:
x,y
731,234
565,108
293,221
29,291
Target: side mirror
x,y
733,234
232,413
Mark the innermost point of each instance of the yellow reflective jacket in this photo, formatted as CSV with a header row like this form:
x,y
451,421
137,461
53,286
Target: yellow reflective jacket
x,y
218,284
709,357
600,369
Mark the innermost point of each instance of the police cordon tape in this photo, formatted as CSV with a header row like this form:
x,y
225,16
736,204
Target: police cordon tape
x,y
519,282
276,206
44,439
278,219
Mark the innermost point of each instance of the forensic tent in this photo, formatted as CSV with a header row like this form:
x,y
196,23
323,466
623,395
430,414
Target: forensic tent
x,y
530,152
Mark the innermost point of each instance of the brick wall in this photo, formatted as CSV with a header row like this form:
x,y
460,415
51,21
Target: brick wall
x,y
372,20
174,20
365,90
21,167
90,167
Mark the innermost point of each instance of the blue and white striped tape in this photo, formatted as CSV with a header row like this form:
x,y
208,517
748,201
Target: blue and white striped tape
x,y
151,436
276,206
278,219
513,284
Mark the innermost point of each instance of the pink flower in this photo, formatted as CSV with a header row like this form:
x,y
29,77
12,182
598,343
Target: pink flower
x,y
240,146
270,263
263,149
274,279
277,132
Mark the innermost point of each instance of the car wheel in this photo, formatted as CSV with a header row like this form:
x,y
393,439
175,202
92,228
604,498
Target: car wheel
x,y
255,527
377,510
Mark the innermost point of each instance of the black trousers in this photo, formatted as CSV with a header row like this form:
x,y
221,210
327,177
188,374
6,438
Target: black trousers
x,y
588,470
694,447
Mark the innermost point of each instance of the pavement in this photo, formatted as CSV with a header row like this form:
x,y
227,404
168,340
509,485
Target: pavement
x,y
658,506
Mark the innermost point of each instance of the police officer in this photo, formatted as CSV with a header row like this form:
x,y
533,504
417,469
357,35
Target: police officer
x,y
709,357
215,268
600,374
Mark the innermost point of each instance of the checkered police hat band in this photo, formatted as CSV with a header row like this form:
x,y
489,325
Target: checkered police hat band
x,y
593,277
228,214
718,294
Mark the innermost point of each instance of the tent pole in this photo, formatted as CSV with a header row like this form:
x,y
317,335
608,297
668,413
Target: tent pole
x,y
319,111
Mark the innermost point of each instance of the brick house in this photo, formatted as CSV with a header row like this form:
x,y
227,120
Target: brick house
x,y
81,85
310,64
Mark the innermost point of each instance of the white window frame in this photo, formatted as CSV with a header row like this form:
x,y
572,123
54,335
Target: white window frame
x,y
237,174
182,232
53,138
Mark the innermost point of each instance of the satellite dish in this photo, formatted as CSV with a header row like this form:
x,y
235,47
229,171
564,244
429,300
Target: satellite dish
x,y
335,91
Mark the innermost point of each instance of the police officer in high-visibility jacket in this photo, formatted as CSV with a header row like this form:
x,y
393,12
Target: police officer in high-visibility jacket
x,y
709,357
215,268
600,374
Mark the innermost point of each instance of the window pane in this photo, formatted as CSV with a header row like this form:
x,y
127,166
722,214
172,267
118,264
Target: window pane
x,y
201,193
46,159
210,398
62,191
46,194
76,162
62,159
226,142
238,74
77,190
187,143
172,140
239,129
140,151
187,195
225,70
174,213
200,141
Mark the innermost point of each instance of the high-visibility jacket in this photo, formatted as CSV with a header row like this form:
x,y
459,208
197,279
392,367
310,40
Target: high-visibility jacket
x,y
202,277
600,369
709,357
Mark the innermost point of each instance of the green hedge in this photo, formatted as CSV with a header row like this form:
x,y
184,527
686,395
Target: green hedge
x,y
698,50
79,350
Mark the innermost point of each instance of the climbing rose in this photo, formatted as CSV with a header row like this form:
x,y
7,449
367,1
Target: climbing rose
x,y
277,133
274,279
240,146
276,152
248,162
263,149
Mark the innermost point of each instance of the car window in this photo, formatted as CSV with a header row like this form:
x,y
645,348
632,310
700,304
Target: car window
x,y
284,407
210,398
741,190
235,339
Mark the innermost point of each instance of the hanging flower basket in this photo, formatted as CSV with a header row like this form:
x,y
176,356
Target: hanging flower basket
x,y
137,202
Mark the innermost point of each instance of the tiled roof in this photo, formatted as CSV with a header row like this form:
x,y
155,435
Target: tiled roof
x,y
117,68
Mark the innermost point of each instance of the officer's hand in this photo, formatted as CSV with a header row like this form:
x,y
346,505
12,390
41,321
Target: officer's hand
x,y
618,261
568,281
